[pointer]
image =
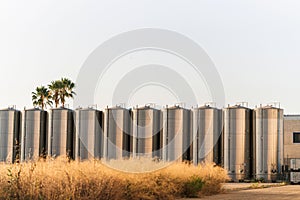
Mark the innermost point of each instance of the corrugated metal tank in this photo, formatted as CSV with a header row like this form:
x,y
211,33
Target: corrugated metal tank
x,y
61,133
268,145
207,129
34,134
177,136
117,135
89,134
238,133
9,135
146,131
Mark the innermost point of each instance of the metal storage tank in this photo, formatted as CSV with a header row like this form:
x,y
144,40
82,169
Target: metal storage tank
x,y
268,145
207,129
117,136
89,134
177,136
146,131
34,134
238,133
9,135
60,133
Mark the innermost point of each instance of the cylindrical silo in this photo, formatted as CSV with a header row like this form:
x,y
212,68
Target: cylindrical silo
x,y
177,136
237,142
268,145
89,134
146,132
207,129
9,135
60,133
34,134
117,136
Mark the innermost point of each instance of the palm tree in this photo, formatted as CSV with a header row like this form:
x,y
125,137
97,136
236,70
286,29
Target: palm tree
x,y
41,97
67,90
55,89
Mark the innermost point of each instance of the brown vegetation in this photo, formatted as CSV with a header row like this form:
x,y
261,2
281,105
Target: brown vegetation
x,y
60,179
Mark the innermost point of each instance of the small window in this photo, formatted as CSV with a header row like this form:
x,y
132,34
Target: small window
x,y
296,137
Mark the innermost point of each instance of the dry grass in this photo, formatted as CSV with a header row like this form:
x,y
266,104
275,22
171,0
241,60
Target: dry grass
x,y
59,179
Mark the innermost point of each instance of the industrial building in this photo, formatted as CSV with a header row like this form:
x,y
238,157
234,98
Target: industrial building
x,y
291,134
251,144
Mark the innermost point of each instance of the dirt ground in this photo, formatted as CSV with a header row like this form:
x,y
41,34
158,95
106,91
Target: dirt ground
x,y
240,191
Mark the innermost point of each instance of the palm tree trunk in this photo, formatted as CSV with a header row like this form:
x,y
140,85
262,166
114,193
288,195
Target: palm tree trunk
x,y
63,101
43,103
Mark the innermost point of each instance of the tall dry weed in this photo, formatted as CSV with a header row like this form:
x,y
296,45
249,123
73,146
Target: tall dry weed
x,y
60,179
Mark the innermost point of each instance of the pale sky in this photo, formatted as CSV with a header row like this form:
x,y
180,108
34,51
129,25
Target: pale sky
x,y
255,44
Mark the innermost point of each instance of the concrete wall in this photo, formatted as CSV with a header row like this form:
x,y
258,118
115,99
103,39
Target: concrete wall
x,y
291,124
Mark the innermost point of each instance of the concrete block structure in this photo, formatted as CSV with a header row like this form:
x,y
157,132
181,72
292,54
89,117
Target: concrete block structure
x,y
291,137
